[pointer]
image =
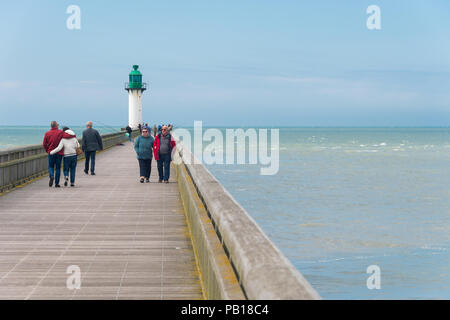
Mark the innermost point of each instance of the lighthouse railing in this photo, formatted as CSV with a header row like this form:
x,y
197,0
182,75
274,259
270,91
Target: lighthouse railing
x,y
141,86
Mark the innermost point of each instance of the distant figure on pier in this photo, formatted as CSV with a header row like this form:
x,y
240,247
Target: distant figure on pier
x,y
130,132
69,144
140,128
52,138
154,130
91,142
162,148
143,147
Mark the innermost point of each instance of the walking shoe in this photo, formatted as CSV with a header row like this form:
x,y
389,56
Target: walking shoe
x,y
142,180
57,186
85,171
166,181
147,180
72,185
50,182
92,173
66,181
160,180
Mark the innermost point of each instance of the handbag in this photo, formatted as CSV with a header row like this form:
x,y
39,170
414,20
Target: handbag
x,y
78,149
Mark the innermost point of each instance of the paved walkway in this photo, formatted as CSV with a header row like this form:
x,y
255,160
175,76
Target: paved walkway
x,y
130,240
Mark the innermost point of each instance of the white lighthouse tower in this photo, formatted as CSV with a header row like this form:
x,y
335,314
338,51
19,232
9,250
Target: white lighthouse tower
x,y
135,88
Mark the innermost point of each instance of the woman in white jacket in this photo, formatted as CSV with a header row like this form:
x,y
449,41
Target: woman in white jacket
x,y
70,144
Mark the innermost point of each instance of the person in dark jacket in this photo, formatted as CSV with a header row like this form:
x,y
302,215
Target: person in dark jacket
x,y
162,148
91,143
143,147
52,138
130,132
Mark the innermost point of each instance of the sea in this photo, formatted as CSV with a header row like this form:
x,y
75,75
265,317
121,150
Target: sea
x,y
346,202
14,136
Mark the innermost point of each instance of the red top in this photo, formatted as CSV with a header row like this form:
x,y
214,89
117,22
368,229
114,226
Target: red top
x,y
157,143
52,139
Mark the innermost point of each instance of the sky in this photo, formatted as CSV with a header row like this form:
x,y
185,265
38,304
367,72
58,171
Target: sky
x,y
227,63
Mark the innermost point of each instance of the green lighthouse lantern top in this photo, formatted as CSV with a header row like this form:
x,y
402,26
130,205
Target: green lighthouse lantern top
x,y
135,79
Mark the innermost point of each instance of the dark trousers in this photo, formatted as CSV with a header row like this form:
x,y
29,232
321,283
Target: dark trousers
x,y
145,167
70,165
164,166
90,155
54,161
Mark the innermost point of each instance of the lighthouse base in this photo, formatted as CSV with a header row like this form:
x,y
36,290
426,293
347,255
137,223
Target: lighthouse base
x,y
134,107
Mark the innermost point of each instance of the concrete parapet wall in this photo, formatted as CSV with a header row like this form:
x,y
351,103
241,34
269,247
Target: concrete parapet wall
x,y
219,281
262,270
23,164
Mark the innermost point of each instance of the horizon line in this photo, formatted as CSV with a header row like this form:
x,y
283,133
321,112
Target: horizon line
x,y
255,126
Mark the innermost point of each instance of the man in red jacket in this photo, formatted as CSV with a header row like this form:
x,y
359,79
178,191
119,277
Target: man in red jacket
x,y
51,141
162,149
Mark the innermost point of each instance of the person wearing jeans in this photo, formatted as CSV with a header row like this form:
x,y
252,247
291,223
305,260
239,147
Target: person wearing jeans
x,y
162,148
164,167
54,169
143,147
70,166
69,144
51,140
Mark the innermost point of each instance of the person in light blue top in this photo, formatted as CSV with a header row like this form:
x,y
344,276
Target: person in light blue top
x,y
143,147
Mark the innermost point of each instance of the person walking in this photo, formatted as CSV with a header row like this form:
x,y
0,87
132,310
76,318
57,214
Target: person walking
x,y
69,143
52,138
162,148
130,132
91,142
143,147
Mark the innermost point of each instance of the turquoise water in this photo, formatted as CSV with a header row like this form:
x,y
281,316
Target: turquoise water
x,y
348,198
345,199
13,136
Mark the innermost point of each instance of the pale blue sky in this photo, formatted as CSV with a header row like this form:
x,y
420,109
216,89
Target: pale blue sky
x,y
250,63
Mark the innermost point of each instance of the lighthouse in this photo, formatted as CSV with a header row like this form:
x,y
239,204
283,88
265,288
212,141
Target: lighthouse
x,y
135,88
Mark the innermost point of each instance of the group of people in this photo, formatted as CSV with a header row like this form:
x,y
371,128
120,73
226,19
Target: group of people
x,y
145,125
162,145
62,146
